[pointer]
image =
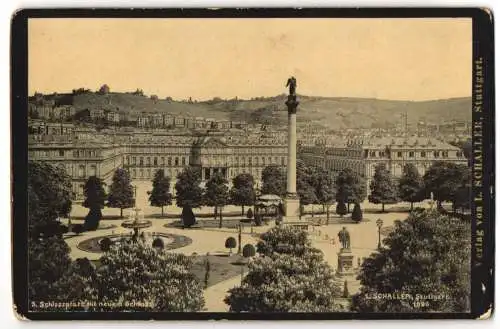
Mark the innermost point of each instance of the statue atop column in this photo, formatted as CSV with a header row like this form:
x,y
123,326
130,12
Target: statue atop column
x,y
344,238
292,85
292,102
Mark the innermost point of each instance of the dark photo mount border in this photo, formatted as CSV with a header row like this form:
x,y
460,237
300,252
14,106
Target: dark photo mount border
x,y
482,274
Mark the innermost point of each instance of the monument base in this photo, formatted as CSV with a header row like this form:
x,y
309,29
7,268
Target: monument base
x,y
345,261
292,208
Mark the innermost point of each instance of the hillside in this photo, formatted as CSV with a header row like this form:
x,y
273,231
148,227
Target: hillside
x,y
334,113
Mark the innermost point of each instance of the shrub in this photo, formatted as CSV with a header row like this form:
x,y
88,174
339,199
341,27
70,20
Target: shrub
x,y
158,243
357,214
248,251
249,213
230,243
78,229
105,244
341,209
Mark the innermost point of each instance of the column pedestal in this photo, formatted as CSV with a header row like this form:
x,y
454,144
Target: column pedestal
x,y
345,268
292,208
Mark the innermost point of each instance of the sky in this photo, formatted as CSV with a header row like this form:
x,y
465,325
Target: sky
x,y
399,59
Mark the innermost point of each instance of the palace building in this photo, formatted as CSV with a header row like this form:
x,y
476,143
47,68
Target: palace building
x,y
362,155
83,154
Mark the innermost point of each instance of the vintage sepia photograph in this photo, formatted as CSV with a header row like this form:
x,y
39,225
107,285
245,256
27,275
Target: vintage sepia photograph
x,y
250,165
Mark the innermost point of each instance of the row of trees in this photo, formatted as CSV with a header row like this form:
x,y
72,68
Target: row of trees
x,y
445,180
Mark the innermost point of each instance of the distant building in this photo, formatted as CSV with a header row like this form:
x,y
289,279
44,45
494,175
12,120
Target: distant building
x,y
363,156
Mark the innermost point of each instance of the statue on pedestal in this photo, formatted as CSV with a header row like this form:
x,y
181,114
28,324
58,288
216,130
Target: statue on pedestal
x,y
344,238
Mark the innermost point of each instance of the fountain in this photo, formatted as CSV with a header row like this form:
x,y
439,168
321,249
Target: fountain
x,y
136,222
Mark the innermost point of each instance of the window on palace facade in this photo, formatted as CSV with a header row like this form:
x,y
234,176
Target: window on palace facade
x,y
133,160
148,161
93,170
141,161
372,154
400,154
141,173
81,171
236,160
176,161
148,173
183,161
249,161
282,161
458,154
276,160
162,161
411,154
169,161
134,173
61,153
445,154
257,161
436,154
423,154
263,160
155,161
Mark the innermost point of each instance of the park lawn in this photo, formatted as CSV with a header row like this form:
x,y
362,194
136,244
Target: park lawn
x,y
222,267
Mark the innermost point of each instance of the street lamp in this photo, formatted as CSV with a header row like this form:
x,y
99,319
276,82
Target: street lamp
x,y
379,222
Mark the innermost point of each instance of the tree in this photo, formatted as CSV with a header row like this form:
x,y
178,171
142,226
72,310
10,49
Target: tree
x,y
48,260
77,284
444,180
325,190
94,200
160,196
230,243
285,240
288,279
135,276
216,194
243,193
357,214
104,90
305,185
383,187
351,187
273,181
341,209
188,190
187,216
49,196
419,257
411,185
121,194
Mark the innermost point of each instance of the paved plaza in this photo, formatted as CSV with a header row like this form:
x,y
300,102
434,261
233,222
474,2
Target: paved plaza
x,y
364,236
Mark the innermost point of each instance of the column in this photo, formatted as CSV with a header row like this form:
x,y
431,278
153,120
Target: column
x,y
292,154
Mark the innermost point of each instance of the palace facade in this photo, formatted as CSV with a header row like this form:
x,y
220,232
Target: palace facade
x,y
83,153
363,155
